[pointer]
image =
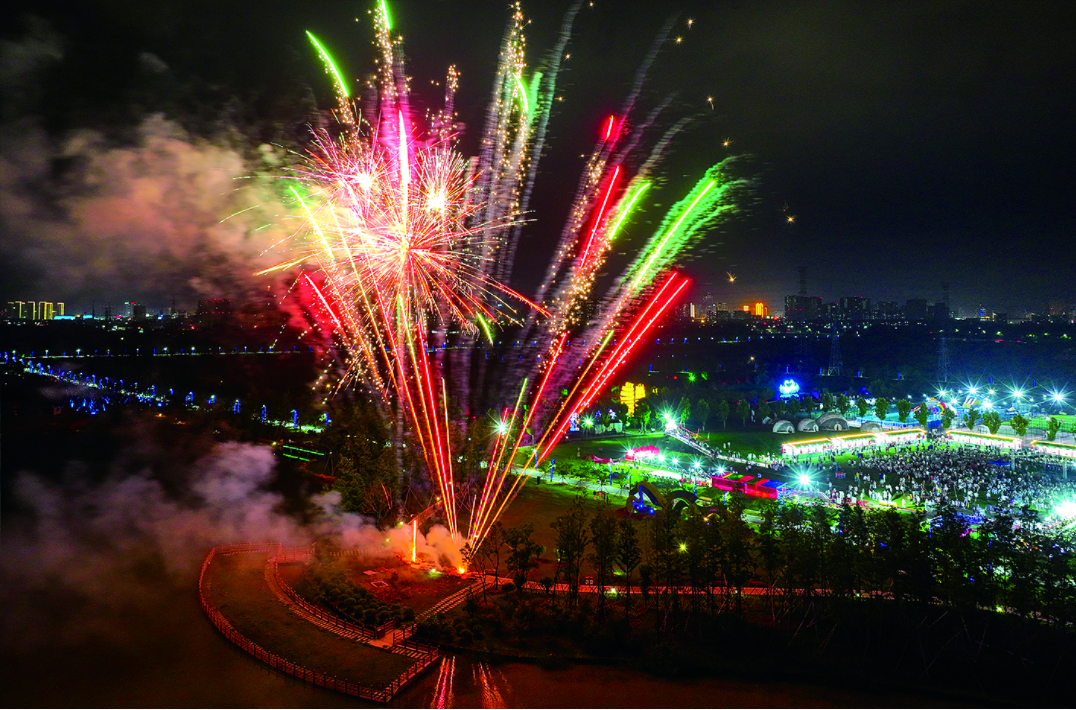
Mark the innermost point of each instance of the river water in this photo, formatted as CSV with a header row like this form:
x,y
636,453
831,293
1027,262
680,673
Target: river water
x,y
168,655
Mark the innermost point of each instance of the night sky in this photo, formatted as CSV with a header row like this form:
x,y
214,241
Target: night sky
x,y
914,142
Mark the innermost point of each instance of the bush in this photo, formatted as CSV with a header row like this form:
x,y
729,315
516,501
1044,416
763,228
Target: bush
x,y
508,587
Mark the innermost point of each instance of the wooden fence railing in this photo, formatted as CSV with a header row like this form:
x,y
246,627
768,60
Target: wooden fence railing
x,y
382,695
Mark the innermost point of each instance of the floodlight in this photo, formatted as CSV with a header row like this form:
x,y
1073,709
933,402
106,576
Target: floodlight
x,y
1059,397
805,479
1067,509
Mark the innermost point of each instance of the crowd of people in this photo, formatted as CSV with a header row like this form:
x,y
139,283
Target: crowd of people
x,y
975,480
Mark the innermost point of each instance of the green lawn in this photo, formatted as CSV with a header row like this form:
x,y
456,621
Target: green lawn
x,y
239,591
1068,422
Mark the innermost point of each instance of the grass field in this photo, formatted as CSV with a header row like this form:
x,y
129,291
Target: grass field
x,y
239,591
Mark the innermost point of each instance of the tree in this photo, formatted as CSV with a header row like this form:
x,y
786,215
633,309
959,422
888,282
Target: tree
x,y
603,534
862,405
947,416
971,418
723,412
904,408
702,409
881,407
827,402
843,403
922,415
809,404
764,411
571,546
743,411
1019,424
523,552
684,410
1052,427
644,415
628,555
488,551
992,420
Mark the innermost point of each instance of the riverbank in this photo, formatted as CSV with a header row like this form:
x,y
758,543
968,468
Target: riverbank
x,y
937,655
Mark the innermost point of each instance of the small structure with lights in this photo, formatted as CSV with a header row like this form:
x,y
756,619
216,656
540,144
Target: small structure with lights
x,y
1053,448
997,441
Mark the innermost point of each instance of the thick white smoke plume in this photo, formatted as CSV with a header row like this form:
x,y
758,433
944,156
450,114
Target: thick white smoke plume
x,y
150,216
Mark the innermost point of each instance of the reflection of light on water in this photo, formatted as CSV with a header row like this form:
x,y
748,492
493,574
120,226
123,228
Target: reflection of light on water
x,y
442,694
491,697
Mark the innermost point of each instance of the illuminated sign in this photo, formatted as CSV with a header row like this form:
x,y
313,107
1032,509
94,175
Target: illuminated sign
x,y
789,388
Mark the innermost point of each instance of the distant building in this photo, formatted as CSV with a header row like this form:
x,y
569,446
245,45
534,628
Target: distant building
x,y
916,309
938,311
214,311
886,310
802,308
855,308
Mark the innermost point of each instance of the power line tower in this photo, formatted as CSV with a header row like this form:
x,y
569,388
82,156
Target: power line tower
x,y
945,369
836,364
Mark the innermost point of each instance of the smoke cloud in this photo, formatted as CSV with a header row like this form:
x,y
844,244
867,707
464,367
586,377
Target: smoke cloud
x,y
83,556
148,212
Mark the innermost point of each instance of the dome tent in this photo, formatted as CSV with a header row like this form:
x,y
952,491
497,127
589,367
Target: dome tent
x,y
783,426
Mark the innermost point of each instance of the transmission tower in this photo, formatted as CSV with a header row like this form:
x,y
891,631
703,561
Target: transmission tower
x,y
836,365
945,371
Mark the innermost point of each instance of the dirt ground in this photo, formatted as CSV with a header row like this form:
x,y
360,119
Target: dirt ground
x,y
393,581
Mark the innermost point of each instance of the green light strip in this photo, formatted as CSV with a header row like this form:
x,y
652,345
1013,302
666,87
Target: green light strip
x,y
328,60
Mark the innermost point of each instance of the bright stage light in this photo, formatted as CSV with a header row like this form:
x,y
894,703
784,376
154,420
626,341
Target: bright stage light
x,y
1067,509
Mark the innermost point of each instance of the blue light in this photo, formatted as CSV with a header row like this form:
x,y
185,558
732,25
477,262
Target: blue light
x,y
788,388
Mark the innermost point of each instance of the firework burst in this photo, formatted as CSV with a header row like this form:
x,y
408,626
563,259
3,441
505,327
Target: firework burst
x,y
408,245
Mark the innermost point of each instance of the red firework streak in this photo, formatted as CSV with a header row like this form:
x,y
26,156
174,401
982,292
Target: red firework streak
x,y
657,305
600,217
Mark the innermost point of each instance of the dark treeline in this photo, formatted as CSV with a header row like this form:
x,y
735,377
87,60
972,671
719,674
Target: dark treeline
x,y
841,596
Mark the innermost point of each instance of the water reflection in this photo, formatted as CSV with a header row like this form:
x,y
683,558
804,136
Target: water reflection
x,y
442,693
461,682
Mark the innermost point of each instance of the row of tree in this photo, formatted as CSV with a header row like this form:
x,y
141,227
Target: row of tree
x,y
701,562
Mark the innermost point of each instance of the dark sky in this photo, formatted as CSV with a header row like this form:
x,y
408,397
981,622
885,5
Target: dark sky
x,y
914,142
